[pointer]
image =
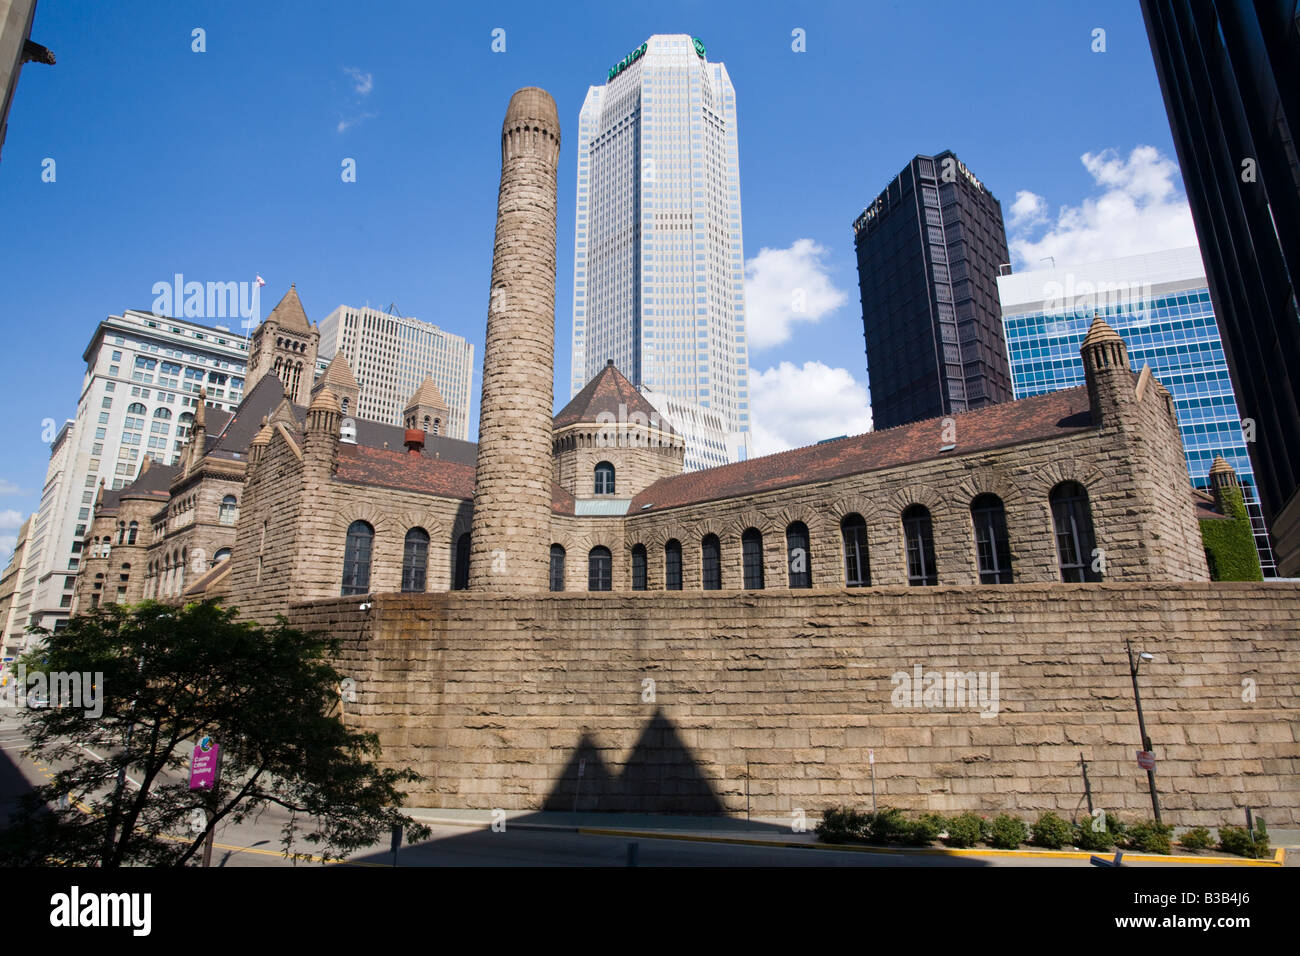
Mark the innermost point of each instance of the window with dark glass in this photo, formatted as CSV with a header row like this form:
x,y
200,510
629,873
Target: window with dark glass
x,y
751,547
639,568
604,478
673,565
711,564
557,568
132,530
600,569
857,567
415,560
356,558
992,545
1075,543
918,532
460,576
797,556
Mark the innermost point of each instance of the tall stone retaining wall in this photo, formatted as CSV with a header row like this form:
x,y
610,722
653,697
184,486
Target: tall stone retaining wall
x,y
689,702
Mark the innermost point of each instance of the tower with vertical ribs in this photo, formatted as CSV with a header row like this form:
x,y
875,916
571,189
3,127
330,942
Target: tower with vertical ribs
x,y
510,538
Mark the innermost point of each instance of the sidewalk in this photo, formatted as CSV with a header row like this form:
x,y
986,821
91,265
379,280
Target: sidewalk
x,y
778,832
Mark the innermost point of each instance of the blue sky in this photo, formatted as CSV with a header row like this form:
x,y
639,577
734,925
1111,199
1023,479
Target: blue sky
x,y
225,164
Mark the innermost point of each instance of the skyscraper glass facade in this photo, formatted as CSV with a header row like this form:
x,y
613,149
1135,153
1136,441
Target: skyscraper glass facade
x,y
658,276
1167,325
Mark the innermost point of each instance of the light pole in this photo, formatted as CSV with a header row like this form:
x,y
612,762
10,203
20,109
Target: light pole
x,y
1133,666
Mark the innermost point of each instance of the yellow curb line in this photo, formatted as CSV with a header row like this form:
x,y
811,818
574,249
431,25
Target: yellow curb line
x,y
1277,860
250,849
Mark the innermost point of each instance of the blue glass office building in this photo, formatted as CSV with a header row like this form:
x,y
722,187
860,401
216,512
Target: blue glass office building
x,y
1160,305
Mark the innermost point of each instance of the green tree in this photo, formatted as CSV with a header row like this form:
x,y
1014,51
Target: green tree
x,y
166,677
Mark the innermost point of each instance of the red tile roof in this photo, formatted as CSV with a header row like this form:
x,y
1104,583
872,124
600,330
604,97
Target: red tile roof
x,y
386,468
998,426
611,395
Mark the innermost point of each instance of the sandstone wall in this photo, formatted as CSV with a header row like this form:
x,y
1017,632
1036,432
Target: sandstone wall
x,y
496,701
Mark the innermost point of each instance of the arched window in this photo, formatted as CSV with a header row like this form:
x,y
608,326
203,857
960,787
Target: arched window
x,y
751,547
121,532
992,545
557,567
221,555
162,412
356,558
415,560
437,426
639,568
673,565
919,535
600,564
229,511
857,564
797,556
132,530
135,408
426,423
711,565
604,478
460,577
1075,544
344,406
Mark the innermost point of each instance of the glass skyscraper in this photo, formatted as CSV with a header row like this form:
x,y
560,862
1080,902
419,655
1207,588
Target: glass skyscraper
x,y
1160,305
658,266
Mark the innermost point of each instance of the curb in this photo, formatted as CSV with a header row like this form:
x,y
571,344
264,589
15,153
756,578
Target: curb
x,y
1278,859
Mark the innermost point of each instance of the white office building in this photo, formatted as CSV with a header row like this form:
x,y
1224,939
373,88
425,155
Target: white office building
x,y
391,355
143,375
658,275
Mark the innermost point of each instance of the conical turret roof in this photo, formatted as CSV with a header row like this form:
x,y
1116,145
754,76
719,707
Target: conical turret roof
x,y
289,313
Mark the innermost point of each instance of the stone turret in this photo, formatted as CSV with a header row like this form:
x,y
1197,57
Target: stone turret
x,y
426,410
338,378
285,345
257,447
1222,478
511,532
1107,372
198,441
321,441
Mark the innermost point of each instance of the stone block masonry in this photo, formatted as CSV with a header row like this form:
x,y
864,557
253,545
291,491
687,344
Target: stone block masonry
x,y
668,701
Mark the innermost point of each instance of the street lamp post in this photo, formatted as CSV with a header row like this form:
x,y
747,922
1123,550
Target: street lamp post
x,y
1133,666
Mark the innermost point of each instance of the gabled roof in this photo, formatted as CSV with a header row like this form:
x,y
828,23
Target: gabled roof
x,y
289,313
397,468
339,374
609,397
152,482
427,394
1041,417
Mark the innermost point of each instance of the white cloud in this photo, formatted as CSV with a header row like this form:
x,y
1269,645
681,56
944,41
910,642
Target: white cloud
x,y
784,286
1140,209
365,82
1029,209
793,405
10,519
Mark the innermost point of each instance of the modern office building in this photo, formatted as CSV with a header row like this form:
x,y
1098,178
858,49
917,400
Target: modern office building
x,y
10,585
703,429
1161,307
391,356
1230,74
658,271
929,248
143,375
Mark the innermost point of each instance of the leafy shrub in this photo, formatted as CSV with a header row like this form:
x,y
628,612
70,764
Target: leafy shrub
x,y
965,830
938,821
1007,832
1237,840
1087,837
841,825
1051,831
887,826
1150,837
1197,838
920,832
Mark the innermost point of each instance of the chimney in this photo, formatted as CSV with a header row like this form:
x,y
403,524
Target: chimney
x,y
414,441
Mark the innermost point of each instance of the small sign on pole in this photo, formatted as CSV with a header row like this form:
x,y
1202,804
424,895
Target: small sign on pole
x,y
1146,760
204,764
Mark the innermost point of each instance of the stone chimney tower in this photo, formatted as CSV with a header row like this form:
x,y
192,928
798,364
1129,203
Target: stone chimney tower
x,y
511,532
1107,372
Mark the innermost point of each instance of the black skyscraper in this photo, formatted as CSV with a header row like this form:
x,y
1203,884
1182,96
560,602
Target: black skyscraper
x,y
1230,73
929,248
